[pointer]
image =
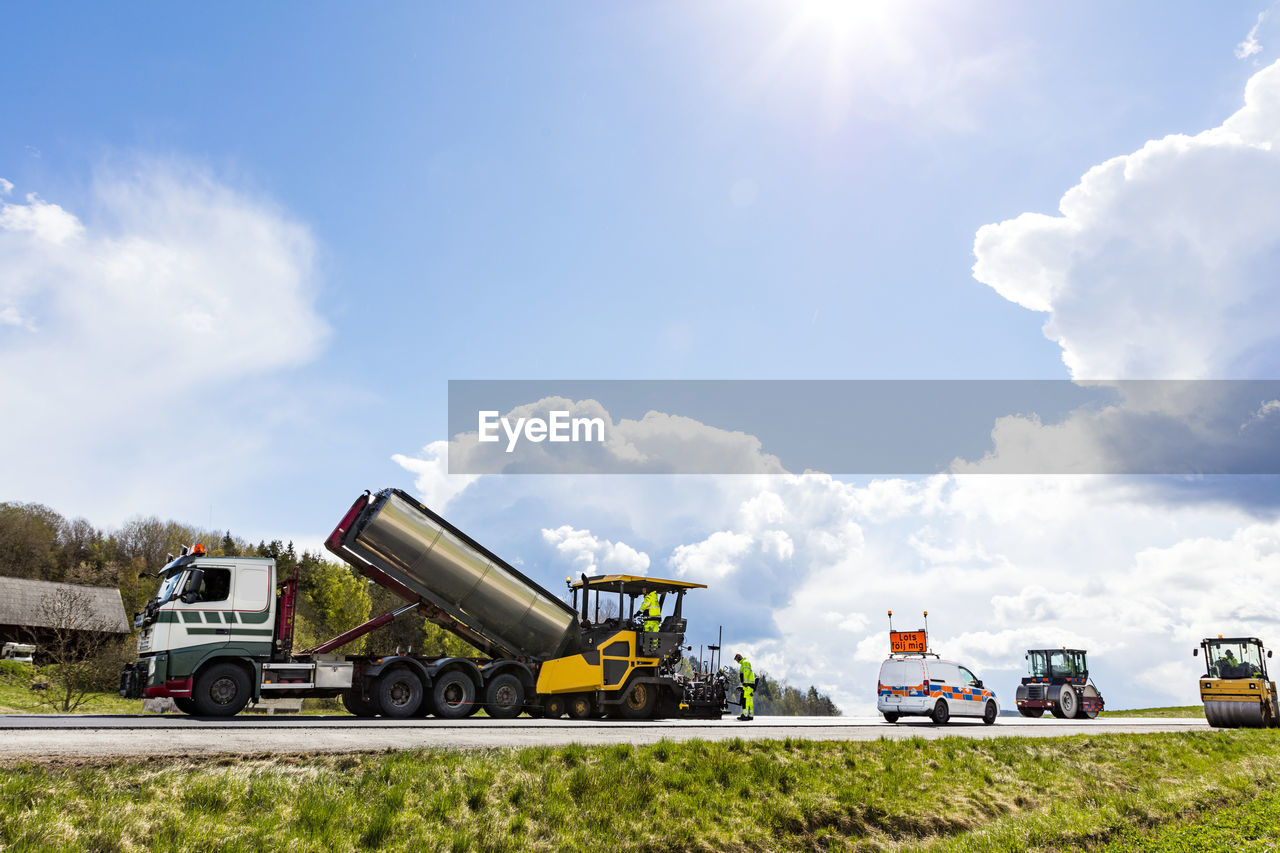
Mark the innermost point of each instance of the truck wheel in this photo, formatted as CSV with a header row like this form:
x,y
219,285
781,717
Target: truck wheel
x,y
504,697
221,690
356,705
1031,712
940,713
989,714
399,693
891,716
1067,703
185,705
454,695
581,706
640,702
553,707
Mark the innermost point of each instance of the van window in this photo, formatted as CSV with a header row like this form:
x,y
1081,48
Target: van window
x,y
901,673
967,677
944,673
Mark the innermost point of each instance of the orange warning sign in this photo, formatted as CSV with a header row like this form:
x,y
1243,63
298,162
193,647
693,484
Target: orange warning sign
x,y
907,641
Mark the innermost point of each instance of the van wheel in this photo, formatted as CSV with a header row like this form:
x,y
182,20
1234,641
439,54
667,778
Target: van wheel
x,y
940,713
221,690
504,697
891,716
399,693
454,696
989,715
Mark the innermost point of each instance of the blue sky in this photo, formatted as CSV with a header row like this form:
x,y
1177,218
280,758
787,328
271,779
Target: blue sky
x,y
426,192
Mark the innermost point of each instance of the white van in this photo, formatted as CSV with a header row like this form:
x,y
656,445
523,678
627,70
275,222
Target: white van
x,y
925,686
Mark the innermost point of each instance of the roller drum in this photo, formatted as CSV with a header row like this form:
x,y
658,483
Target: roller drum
x,y
1234,715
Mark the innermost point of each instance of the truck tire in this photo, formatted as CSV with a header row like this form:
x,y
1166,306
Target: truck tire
x,y
454,695
989,714
504,697
581,706
941,714
185,705
221,690
552,707
356,704
399,693
1068,703
1031,712
891,716
640,702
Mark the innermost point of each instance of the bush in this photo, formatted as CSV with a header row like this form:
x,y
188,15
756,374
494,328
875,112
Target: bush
x,y
16,672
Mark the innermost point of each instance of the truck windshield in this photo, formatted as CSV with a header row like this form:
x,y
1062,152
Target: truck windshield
x,y
1234,659
168,587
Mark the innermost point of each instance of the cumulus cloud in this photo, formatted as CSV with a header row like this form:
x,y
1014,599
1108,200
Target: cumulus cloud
x,y
592,555
1161,262
128,309
431,477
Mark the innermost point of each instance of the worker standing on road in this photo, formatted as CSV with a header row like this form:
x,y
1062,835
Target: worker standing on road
x,y
748,688
652,611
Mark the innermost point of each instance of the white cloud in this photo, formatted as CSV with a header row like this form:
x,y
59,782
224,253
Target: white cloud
x,y
592,555
125,324
1161,263
1251,46
435,485
715,557
6,187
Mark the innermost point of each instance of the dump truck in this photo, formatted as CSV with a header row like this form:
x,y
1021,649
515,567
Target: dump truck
x,y
219,633
1235,689
1058,682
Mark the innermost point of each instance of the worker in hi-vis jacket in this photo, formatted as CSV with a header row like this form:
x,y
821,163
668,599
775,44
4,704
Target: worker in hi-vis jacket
x,y
748,688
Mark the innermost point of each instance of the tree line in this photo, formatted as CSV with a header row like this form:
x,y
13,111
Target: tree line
x,y
37,542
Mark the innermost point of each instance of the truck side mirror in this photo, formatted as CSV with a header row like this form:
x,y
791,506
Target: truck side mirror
x,y
191,592
1268,652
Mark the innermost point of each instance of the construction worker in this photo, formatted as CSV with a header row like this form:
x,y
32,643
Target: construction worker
x,y
652,611
1227,663
748,679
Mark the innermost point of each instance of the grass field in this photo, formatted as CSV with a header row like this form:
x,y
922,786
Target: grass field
x,y
1011,794
1176,711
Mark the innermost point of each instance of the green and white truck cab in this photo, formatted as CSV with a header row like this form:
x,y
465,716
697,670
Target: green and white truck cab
x,y
208,611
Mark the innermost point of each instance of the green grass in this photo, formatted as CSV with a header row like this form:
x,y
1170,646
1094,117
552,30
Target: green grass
x,y
1252,826
1176,711
16,696
954,794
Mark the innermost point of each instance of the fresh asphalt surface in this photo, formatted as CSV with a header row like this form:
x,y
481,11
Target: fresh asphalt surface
x,y
87,736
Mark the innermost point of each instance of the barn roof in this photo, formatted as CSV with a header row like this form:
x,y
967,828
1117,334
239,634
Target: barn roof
x,y
20,601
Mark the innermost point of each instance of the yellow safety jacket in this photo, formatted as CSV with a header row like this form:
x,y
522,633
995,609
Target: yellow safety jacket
x,y
652,611
748,677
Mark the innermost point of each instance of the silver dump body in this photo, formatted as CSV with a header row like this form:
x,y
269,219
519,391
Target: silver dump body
x,y
440,564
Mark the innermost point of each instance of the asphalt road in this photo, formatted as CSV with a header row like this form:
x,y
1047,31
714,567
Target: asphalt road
x,y
85,736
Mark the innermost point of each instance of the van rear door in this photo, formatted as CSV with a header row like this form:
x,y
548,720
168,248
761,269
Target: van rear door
x,y
901,685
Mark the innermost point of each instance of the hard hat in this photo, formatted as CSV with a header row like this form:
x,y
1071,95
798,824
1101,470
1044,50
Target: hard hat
x,y
737,657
